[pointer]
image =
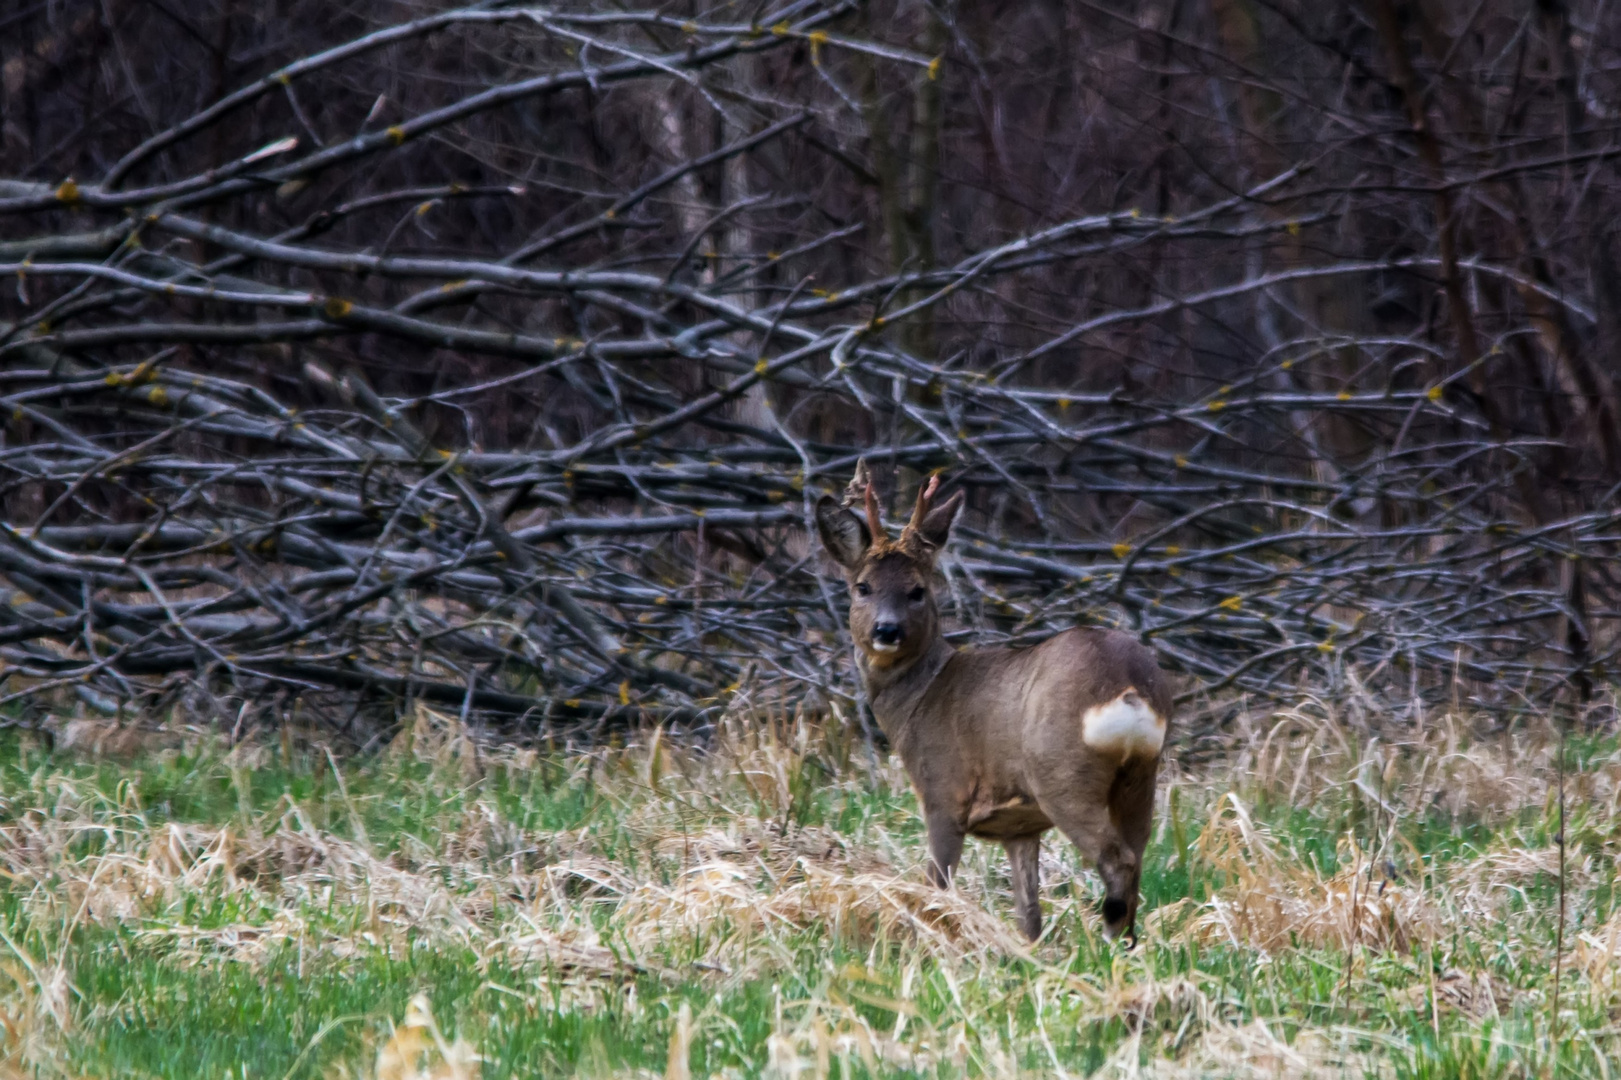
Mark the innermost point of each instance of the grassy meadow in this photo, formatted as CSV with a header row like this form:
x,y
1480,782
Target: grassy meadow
x,y
1318,902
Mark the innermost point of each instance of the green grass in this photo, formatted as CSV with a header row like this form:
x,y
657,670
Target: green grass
x,y
188,912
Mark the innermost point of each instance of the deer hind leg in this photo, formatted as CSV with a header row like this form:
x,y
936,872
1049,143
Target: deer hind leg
x,y
1024,858
945,848
1131,804
1087,819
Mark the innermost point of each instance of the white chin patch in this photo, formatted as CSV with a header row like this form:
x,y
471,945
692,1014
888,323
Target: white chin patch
x,y
1125,727
884,647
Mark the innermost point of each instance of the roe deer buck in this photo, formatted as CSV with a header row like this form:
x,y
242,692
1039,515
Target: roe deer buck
x,y
1002,743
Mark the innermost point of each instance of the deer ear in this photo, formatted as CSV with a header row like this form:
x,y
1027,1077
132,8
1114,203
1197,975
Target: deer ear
x,y
843,534
936,524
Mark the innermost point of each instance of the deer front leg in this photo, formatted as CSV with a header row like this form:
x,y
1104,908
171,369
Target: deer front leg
x,y
1024,858
945,848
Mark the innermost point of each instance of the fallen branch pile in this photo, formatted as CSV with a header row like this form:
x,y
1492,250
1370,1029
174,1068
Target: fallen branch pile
x,y
564,476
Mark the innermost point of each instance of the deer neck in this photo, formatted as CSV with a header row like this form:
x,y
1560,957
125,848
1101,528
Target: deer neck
x,y
896,692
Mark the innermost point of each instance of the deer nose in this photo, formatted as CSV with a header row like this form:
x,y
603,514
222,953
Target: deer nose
x,y
888,633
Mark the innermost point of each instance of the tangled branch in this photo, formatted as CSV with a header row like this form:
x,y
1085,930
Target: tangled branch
x,y
298,417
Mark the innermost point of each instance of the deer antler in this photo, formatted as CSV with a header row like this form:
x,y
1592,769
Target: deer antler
x,y
857,487
873,522
924,498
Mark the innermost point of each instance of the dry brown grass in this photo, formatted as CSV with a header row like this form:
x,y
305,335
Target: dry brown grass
x,y
36,1012
416,1049
1268,900
726,900
726,869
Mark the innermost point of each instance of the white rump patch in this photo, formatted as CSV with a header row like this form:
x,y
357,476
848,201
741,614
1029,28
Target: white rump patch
x,y
1125,727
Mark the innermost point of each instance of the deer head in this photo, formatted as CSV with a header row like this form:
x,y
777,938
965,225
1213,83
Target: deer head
x,y
893,616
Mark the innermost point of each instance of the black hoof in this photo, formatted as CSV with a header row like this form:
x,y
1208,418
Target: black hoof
x,y
1114,909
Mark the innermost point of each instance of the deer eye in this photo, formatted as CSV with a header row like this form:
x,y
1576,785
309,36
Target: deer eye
x,y
916,594
863,589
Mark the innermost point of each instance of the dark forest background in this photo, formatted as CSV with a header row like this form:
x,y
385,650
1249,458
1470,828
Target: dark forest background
x,y
360,354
